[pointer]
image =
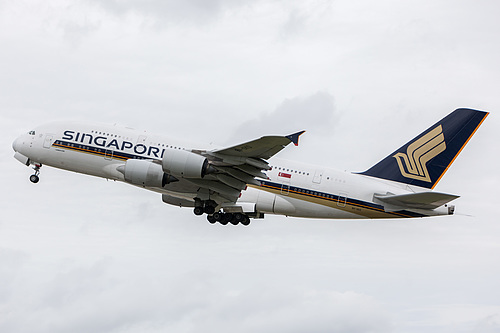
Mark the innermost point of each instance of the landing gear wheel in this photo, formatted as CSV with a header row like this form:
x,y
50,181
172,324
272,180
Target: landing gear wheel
x,y
234,219
211,219
246,220
209,209
218,216
228,217
238,217
198,211
34,178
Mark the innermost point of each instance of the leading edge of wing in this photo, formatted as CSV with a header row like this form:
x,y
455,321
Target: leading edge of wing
x,y
264,147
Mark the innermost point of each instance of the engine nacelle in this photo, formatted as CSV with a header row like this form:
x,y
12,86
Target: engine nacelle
x,y
145,173
185,164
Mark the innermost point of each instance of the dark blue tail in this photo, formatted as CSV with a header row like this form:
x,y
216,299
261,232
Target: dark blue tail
x,y
425,159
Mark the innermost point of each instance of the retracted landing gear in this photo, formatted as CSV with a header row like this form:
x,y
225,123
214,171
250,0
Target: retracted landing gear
x,y
35,178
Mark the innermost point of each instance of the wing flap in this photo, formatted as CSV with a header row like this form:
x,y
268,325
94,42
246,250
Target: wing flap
x,y
239,175
224,190
422,200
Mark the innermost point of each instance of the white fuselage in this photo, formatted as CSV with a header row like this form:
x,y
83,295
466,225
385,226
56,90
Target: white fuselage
x,y
292,188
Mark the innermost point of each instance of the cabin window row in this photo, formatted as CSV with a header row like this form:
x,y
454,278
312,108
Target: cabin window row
x,y
126,138
319,194
108,134
167,146
290,170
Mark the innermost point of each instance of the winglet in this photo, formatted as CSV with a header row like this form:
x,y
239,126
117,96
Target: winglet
x,y
295,137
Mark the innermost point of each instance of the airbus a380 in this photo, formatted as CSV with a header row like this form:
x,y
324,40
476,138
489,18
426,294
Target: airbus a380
x,y
235,184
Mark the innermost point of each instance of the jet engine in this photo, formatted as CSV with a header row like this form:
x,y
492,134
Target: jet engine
x,y
145,173
185,164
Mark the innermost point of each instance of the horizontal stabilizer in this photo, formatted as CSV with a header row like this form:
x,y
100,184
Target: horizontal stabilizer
x,y
422,200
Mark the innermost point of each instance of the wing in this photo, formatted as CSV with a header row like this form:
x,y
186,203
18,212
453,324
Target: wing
x,y
236,166
422,200
263,148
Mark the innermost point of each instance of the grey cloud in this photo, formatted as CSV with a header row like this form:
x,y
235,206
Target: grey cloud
x,y
69,285
294,24
108,296
315,113
171,11
314,310
489,323
76,30
300,19
12,263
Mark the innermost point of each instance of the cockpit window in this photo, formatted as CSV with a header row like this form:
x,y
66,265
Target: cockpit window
x,y
31,132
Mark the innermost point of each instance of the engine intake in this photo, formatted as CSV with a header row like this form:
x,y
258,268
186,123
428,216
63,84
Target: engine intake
x,y
185,164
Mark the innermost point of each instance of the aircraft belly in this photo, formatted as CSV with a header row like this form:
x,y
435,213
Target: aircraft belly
x,y
271,201
82,163
303,208
317,204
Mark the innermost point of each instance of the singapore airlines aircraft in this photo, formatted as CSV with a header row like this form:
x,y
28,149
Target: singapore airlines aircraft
x,y
234,184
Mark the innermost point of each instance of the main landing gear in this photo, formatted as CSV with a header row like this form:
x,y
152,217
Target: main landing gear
x,y
35,177
204,207
225,218
208,207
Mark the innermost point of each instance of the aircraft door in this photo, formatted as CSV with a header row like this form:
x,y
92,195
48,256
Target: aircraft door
x,y
342,200
318,175
285,179
49,139
108,155
285,188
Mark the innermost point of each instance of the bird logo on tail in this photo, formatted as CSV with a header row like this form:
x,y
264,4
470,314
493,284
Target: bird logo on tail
x,y
413,164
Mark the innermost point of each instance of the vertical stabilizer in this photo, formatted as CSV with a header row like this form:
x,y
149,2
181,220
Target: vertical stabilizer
x,y
424,160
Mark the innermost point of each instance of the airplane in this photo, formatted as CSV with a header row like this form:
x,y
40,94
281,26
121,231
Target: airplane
x,y
242,182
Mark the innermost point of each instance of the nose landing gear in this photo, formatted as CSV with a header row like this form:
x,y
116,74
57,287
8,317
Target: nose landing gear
x,y
35,178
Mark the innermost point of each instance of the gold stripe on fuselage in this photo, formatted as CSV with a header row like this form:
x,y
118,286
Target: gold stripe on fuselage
x,y
350,207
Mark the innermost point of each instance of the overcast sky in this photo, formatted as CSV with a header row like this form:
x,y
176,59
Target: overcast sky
x,y
80,254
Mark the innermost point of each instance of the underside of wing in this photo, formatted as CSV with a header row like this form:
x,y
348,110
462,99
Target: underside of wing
x,y
422,200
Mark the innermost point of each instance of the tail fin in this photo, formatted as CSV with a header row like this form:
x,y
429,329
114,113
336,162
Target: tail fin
x,y
424,160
